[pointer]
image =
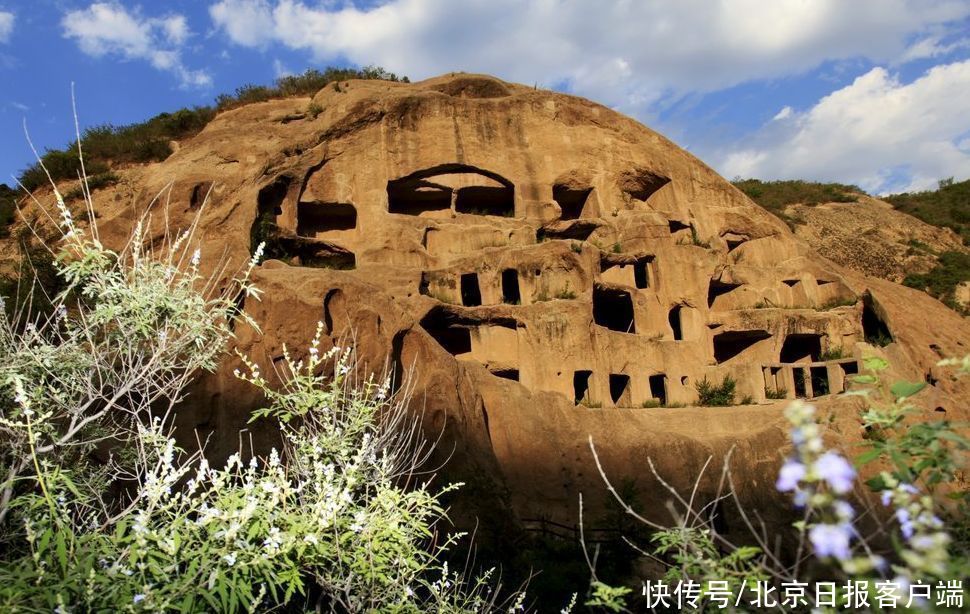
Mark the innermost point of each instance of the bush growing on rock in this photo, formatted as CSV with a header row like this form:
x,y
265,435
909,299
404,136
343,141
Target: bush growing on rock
x,y
710,394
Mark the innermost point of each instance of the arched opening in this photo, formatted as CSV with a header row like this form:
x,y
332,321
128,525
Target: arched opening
x,y
571,200
729,344
315,219
473,191
874,328
658,387
673,318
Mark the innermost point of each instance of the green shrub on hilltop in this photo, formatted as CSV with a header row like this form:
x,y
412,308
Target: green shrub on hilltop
x,y
948,206
149,141
952,269
339,520
776,195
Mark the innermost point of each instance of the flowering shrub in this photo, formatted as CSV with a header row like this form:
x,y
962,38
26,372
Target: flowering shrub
x,y
923,455
335,520
121,341
329,524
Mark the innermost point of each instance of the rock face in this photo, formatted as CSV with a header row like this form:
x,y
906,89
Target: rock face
x,y
547,271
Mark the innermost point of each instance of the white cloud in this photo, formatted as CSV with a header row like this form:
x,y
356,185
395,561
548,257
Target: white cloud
x,y
110,29
878,132
785,113
6,25
626,54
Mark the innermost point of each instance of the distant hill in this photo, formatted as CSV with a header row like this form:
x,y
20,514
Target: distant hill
x,y
948,206
876,236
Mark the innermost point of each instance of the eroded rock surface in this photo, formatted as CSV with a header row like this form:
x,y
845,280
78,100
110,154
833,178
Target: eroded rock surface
x,y
547,270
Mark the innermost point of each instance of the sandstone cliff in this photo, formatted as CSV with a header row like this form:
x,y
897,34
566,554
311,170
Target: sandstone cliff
x,y
546,270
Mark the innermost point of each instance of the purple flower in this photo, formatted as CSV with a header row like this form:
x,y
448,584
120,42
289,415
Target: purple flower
x,y
792,472
831,540
835,470
905,522
887,497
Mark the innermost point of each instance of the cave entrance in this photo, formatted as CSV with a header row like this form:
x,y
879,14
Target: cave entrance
x,y
673,318
443,328
848,369
456,340
417,198
613,309
676,226
641,273
316,218
430,191
510,287
801,347
506,373
486,200
798,375
717,288
658,388
624,271
269,206
581,386
471,294
874,328
571,200
620,389
729,344
199,194
641,184
820,381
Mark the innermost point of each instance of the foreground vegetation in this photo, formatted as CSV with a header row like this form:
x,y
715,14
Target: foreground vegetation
x,y
922,539
100,510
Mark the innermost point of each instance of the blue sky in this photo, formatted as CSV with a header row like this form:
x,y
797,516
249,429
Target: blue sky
x,y
871,92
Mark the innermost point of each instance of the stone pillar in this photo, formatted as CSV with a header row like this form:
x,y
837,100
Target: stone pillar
x,y
809,391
